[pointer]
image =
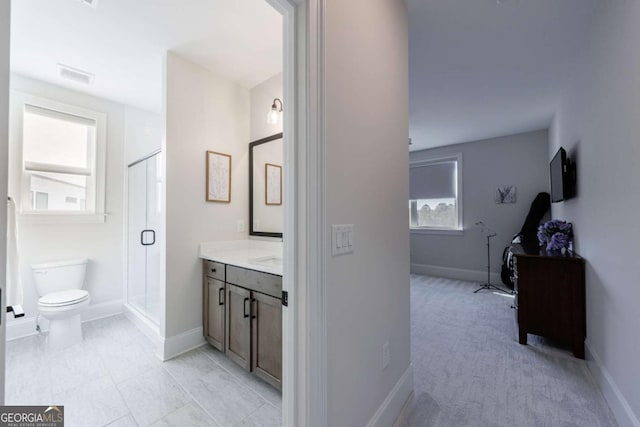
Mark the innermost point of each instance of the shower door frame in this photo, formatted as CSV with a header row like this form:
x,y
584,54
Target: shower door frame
x,y
143,314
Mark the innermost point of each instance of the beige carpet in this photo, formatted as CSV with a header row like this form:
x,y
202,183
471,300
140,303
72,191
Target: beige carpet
x,y
469,370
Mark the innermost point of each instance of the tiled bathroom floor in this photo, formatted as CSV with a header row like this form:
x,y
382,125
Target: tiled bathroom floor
x,y
113,378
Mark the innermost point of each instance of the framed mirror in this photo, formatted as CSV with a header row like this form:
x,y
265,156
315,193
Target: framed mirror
x,y
266,213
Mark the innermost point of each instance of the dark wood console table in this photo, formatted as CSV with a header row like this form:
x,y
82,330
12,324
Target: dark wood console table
x,y
550,297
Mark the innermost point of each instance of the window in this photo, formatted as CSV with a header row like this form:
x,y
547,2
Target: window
x,y
435,196
62,150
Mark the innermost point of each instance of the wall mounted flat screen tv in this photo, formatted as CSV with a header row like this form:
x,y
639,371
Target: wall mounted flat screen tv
x,y
563,177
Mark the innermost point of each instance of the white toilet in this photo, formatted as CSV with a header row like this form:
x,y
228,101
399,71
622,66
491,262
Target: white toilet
x,y
62,298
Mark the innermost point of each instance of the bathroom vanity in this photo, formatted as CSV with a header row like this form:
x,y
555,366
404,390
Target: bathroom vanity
x,y
242,306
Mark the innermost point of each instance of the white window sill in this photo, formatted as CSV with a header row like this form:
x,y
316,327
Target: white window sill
x,y
438,231
57,218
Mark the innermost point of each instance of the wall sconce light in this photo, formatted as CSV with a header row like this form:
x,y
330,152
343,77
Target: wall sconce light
x,y
274,115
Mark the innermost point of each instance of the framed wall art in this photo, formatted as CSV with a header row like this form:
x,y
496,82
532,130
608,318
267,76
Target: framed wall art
x,y
273,186
505,194
218,177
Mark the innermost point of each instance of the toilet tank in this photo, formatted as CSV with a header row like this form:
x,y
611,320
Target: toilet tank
x,y
58,276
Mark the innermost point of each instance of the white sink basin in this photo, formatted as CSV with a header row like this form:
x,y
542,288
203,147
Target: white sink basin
x,y
271,261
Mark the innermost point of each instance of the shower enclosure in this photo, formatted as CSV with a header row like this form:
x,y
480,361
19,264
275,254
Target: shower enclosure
x,y
144,224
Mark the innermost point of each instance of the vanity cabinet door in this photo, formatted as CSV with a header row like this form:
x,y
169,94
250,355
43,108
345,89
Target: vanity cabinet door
x,y
266,320
238,326
215,303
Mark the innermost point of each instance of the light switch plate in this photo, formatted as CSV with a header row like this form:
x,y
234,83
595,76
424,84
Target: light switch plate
x,y
342,238
386,355
240,226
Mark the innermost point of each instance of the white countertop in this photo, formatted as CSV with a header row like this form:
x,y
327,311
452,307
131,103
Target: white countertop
x,y
252,254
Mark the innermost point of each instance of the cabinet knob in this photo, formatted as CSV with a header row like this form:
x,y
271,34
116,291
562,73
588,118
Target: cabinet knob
x,y
213,270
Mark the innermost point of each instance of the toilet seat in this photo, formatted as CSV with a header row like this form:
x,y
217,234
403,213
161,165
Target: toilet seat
x,y
63,298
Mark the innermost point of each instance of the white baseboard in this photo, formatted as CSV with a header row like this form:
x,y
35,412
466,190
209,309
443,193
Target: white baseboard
x,y
393,405
455,273
614,397
26,326
403,418
102,310
181,343
145,326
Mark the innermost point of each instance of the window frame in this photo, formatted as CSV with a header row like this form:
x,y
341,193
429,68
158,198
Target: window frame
x,y
96,182
455,231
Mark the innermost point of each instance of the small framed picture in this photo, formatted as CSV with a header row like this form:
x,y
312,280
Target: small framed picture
x,y
218,177
505,194
273,184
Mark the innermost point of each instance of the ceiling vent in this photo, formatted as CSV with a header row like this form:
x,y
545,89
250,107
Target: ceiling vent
x,y
75,75
92,3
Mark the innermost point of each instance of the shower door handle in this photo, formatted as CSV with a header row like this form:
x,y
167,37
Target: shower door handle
x,y
142,237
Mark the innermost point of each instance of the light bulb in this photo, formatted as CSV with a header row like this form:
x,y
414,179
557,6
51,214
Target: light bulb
x,y
273,117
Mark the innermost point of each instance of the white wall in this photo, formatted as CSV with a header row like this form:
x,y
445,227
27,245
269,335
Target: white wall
x,y
102,243
598,125
520,160
261,97
204,112
366,131
143,133
5,34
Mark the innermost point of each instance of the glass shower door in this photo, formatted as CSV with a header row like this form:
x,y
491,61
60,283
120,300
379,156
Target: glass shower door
x,y
144,220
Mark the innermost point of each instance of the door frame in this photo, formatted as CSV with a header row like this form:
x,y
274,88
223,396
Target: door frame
x,y
5,37
304,364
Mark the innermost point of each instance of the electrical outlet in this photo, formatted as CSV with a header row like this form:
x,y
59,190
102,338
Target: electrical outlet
x,y
386,355
240,226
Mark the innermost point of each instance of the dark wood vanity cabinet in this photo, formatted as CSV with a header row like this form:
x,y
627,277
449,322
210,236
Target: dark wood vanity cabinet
x,y
214,308
238,334
214,299
243,318
266,345
550,297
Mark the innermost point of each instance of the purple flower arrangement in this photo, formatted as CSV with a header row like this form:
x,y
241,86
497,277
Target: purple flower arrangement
x,y
555,235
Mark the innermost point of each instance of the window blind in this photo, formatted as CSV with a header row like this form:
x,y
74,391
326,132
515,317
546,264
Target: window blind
x,y
433,181
58,115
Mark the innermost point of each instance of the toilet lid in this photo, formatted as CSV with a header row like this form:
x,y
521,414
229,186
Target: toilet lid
x,y
62,298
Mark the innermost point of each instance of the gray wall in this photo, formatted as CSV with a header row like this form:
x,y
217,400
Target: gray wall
x,y
367,184
598,125
521,160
